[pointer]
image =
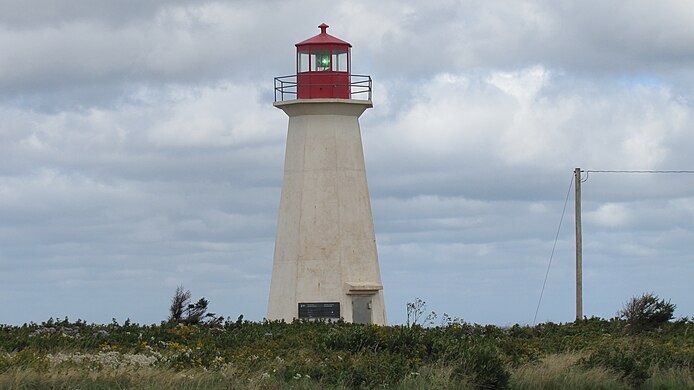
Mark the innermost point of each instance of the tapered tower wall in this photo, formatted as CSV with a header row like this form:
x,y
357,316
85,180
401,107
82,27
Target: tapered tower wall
x,y
325,249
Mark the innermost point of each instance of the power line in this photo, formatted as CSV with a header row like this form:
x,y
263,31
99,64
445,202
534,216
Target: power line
x,y
556,238
589,171
636,171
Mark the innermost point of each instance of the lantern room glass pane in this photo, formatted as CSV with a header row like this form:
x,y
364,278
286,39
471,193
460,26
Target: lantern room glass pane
x,y
340,61
302,66
320,60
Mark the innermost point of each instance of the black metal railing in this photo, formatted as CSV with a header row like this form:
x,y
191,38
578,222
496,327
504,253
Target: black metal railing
x,y
286,87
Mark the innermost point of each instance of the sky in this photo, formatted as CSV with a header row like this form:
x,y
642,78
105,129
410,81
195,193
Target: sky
x,y
140,151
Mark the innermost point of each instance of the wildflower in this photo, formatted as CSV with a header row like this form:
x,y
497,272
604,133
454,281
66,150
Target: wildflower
x,y
40,331
218,359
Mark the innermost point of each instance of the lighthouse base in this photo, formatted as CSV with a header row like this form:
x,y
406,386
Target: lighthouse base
x,y
325,263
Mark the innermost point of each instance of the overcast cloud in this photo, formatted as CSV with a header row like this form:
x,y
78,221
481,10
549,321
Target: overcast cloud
x,y
139,150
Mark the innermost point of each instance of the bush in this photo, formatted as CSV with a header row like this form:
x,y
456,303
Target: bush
x,y
182,310
482,366
631,361
646,312
316,354
369,370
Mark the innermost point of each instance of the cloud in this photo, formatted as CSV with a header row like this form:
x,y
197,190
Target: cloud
x,y
610,215
460,126
139,150
20,14
61,44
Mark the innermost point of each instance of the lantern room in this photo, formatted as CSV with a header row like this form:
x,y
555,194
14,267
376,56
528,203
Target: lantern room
x,y
323,67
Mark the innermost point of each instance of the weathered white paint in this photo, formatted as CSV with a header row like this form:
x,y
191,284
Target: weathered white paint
x,y
325,249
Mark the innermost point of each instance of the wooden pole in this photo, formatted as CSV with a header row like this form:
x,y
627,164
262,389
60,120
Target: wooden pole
x,y
579,247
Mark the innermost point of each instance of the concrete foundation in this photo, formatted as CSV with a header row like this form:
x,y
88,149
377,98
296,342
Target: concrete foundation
x,y
325,249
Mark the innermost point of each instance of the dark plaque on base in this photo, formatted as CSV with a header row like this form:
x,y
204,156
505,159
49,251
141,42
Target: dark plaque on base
x,y
319,310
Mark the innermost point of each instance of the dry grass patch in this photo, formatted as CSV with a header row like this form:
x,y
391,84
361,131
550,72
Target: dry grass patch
x,y
561,371
674,378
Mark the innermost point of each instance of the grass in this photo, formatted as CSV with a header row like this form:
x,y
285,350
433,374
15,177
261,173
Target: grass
x,y
590,354
560,371
129,378
673,378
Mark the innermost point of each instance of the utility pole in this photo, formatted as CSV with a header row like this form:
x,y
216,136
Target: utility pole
x,y
579,247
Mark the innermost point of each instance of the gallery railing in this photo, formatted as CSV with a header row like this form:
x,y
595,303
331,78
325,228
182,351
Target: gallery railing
x,y
286,87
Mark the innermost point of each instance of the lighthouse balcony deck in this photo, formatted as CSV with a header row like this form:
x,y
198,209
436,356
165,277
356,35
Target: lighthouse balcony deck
x,y
357,87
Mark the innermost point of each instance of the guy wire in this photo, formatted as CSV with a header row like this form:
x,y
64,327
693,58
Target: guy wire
x,y
556,238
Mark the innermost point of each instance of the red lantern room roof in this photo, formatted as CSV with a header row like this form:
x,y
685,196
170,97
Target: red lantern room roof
x,y
323,39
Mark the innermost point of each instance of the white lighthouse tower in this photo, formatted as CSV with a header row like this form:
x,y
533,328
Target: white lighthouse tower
x,y
325,263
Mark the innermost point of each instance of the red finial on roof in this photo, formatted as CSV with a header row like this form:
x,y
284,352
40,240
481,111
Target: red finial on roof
x,y
323,27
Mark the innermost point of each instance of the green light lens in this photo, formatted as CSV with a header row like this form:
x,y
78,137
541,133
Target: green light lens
x,y
325,61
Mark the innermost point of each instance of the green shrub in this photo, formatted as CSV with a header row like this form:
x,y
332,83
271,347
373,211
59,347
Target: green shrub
x,y
646,312
276,355
371,370
482,365
632,361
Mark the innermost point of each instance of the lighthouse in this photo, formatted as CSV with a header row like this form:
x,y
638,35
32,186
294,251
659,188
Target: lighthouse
x,y
325,262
